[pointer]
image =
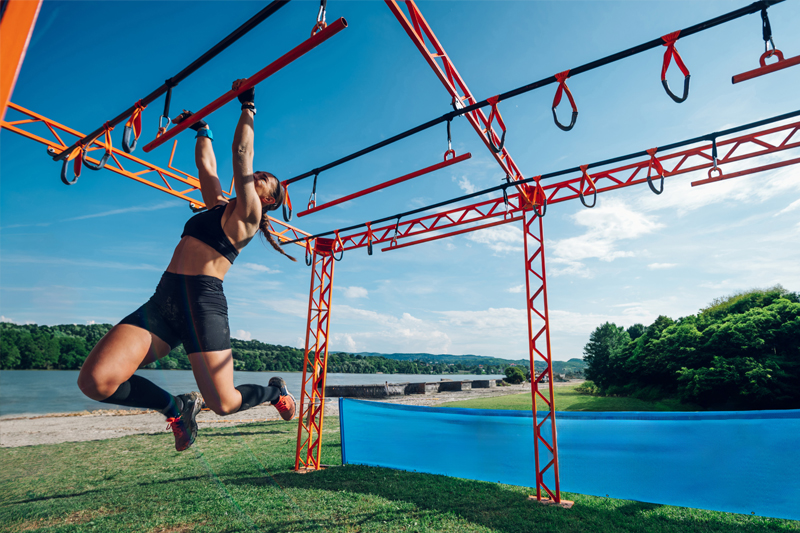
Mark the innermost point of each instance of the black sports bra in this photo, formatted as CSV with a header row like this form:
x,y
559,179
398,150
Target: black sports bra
x,y
206,227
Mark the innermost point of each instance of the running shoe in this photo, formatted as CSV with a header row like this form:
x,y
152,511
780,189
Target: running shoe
x,y
185,426
285,403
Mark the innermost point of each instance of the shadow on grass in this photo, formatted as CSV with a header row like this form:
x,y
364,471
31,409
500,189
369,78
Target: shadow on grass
x,y
233,431
506,508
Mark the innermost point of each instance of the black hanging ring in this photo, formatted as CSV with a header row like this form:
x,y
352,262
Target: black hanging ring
x,y
677,99
103,159
308,258
65,173
544,207
128,140
560,125
653,187
489,137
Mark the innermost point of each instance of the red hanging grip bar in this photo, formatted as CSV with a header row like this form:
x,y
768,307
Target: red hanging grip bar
x,y
767,69
427,170
307,45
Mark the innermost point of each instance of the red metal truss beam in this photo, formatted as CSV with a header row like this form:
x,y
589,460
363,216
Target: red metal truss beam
x,y
418,29
736,149
174,182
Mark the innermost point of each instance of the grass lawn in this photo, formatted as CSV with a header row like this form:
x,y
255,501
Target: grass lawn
x,y
568,400
239,479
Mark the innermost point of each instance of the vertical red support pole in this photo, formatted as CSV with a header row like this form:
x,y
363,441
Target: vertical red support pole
x,y
539,348
315,366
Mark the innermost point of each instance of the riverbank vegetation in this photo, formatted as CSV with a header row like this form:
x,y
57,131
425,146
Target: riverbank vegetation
x,y
239,480
573,398
741,352
65,347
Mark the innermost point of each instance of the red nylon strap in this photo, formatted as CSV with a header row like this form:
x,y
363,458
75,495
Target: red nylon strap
x,y
338,240
369,232
586,176
669,42
136,119
286,199
655,163
495,113
561,78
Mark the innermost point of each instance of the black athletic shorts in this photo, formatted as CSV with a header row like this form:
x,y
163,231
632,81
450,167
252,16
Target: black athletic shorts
x,y
186,309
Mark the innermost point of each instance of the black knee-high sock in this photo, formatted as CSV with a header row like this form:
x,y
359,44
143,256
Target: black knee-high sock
x,y
253,395
141,392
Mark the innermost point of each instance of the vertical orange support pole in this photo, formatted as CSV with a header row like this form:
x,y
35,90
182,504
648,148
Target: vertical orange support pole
x,y
315,366
539,347
16,29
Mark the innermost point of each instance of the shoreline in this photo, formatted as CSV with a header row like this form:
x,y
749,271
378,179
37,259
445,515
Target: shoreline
x,y
101,424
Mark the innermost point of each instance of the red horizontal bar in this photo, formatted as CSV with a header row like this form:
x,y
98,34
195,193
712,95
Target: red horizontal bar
x,y
299,50
385,184
750,74
467,230
746,172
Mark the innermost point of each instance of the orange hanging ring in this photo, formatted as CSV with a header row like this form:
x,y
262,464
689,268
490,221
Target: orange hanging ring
x,y
714,169
133,128
287,216
539,192
655,163
106,145
584,178
769,53
341,247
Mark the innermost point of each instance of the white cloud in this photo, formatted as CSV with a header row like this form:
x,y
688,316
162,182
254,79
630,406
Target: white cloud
x,y
661,266
260,268
288,306
500,239
90,322
343,342
516,289
243,335
83,263
791,207
354,292
162,205
465,185
6,319
405,333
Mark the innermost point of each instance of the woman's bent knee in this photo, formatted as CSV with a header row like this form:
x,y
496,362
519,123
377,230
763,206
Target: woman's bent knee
x,y
94,389
223,408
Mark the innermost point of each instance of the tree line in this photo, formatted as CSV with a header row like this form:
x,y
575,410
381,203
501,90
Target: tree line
x,y
740,352
65,347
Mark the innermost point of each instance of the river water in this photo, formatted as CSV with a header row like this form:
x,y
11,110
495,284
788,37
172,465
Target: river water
x,y
56,391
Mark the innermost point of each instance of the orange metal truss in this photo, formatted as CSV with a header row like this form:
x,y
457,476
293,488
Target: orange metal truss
x,y
315,364
174,182
16,29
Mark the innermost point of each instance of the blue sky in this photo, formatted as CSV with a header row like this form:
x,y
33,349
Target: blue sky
x,y
94,252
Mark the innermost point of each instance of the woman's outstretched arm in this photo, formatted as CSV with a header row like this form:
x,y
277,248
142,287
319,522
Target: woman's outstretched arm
x,y
206,163
247,203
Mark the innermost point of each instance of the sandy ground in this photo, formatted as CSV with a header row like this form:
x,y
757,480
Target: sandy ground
x,y
109,424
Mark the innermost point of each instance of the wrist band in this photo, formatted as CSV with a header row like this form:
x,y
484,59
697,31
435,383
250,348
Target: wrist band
x,y
251,107
204,132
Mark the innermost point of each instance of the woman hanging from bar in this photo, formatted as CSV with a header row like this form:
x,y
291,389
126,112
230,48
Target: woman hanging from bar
x,y
189,306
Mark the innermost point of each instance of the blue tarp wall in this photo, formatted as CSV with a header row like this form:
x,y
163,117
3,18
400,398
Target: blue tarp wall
x,y
739,462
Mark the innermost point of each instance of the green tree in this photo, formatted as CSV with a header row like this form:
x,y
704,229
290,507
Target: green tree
x,y
515,374
603,352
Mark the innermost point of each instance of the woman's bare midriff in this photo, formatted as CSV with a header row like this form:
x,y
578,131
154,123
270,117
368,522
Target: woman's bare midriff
x,y
193,257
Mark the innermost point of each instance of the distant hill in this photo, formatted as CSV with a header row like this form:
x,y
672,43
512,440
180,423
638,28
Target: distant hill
x,y
559,367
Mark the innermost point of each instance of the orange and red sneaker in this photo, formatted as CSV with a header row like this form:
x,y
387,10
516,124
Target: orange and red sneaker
x,y
285,404
184,426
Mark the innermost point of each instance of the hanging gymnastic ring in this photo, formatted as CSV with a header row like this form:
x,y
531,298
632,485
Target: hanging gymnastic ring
x,y
196,209
544,207
496,149
103,159
127,144
677,99
287,217
653,187
308,257
65,172
571,124
341,255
